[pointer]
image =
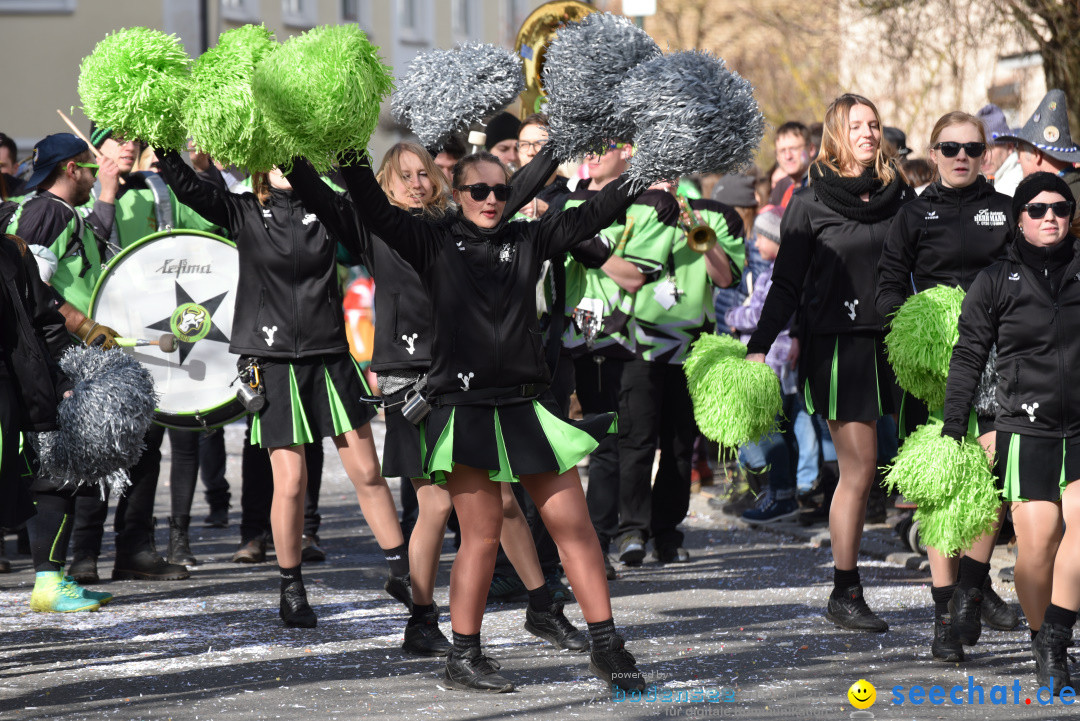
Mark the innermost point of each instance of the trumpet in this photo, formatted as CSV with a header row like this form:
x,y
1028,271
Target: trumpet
x,y
701,238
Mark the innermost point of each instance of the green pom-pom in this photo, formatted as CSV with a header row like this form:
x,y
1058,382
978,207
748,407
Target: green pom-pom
x,y
321,92
135,82
735,401
921,340
932,470
221,112
966,517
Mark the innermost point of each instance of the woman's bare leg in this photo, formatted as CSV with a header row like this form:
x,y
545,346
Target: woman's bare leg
x,y
357,451
478,503
425,543
1038,535
287,509
856,453
517,541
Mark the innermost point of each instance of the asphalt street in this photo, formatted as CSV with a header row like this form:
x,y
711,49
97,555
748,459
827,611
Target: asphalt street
x,y
736,633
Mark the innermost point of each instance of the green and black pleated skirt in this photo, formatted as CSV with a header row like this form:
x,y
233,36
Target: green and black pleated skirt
x,y
509,441
403,446
308,399
1031,468
847,377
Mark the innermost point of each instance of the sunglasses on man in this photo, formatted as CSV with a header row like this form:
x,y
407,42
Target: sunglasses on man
x,y
480,191
950,149
92,166
1061,209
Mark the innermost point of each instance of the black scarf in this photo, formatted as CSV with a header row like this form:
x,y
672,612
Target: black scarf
x,y
844,195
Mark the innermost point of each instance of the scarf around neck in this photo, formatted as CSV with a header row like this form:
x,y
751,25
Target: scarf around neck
x,y
844,195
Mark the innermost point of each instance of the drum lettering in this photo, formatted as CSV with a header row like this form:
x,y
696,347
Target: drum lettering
x,y
182,267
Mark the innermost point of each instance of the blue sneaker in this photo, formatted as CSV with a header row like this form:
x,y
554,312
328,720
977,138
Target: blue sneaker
x,y
772,510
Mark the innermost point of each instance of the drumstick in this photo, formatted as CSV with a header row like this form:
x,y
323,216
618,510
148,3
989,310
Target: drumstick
x,y
79,134
167,342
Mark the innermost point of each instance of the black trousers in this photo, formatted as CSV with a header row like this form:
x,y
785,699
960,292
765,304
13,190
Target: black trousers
x,y
597,379
654,411
134,520
257,489
194,452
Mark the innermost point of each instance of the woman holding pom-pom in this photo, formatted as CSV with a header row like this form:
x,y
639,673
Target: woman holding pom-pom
x,y
490,420
957,227
289,323
401,359
1029,304
826,270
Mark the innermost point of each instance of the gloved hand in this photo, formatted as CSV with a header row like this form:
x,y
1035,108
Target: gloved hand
x,y
96,335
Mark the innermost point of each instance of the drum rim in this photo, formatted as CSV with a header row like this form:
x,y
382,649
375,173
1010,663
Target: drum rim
x,y
163,418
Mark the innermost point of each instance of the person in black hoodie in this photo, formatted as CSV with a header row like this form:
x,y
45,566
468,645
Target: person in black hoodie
x,y
290,324
491,420
1029,305
826,270
957,227
401,358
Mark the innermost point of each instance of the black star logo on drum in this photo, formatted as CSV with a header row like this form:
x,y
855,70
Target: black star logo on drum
x,y
182,296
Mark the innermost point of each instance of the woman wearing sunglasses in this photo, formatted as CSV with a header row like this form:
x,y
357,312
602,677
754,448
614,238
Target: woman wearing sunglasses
x,y
957,227
1029,305
289,321
832,234
491,420
401,358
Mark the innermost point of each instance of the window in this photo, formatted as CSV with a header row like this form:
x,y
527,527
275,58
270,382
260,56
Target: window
x,y
244,11
462,19
37,7
299,13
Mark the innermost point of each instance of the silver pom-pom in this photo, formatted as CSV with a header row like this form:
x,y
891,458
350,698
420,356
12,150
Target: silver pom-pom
x,y
446,91
102,424
692,114
986,404
583,67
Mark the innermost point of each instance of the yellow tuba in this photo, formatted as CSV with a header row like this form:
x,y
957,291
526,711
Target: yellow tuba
x,y
531,45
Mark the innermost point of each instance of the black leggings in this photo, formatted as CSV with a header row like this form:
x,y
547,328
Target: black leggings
x,y
50,529
193,451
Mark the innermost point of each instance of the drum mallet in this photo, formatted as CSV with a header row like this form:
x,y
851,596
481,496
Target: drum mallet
x,y
167,342
79,134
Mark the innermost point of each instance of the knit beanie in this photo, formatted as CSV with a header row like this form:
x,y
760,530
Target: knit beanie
x,y
503,126
767,223
98,134
1036,183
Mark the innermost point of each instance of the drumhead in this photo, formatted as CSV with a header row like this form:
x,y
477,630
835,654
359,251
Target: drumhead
x,y
180,282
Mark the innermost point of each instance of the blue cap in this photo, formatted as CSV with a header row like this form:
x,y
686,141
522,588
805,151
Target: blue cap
x,y
50,151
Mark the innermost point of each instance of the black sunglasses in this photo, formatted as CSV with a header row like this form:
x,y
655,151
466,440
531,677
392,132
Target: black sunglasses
x,y
1061,209
950,149
480,191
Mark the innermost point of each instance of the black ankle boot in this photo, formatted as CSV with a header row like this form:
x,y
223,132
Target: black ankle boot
x,y
996,613
294,609
471,670
616,666
179,543
946,647
965,607
1051,659
848,608
423,637
552,625
400,587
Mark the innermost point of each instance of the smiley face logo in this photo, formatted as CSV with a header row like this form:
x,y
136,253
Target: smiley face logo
x,y
862,694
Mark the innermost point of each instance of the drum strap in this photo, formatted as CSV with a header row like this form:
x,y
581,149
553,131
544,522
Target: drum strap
x,y
162,200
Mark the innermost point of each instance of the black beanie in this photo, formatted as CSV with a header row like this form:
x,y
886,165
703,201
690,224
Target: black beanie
x,y
503,126
1036,183
98,134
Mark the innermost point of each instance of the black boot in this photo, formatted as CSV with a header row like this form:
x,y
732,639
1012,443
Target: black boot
x,y
146,564
179,543
946,647
471,670
552,625
965,607
294,608
423,637
400,587
847,608
616,666
996,613
5,564
84,570
828,478
1051,660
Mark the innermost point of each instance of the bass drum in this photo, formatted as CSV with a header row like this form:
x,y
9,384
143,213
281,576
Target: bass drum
x,y
181,282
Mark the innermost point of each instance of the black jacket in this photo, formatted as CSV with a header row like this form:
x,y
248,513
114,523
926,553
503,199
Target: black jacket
x,y
826,270
482,283
27,319
1038,349
403,331
943,237
287,300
